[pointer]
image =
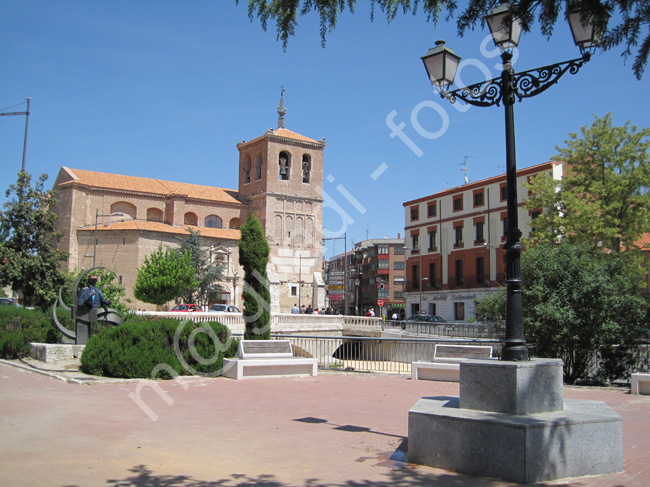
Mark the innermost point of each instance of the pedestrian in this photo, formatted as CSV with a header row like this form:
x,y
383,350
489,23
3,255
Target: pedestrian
x,y
372,312
295,310
302,309
309,310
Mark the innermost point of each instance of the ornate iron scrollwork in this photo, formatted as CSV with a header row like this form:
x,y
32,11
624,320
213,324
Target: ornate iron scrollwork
x,y
525,84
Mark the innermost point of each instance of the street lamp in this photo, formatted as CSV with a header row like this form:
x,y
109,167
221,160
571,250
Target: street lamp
x,y
300,281
441,64
345,268
97,215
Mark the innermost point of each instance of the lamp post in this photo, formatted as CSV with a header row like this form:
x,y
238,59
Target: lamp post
x,y
441,64
345,268
97,215
299,280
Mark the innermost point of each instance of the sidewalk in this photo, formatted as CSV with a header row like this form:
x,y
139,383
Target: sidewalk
x,y
337,429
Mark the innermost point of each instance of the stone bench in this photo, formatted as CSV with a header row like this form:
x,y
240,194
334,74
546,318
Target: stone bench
x,y
446,362
640,383
268,358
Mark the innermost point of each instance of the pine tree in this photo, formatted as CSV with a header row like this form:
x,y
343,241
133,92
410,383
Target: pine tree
x,y
207,274
253,257
29,257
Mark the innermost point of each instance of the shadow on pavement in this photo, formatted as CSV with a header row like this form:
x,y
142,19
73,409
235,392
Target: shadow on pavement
x,y
406,477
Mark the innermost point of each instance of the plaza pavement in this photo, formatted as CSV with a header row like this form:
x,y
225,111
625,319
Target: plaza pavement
x,y
338,429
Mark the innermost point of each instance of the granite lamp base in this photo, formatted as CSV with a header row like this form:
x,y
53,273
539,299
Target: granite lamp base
x,y
578,438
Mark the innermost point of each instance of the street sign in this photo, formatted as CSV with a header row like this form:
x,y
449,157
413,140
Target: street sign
x,y
336,297
380,302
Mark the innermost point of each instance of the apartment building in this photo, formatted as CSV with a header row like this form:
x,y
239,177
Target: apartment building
x,y
454,243
375,278
380,276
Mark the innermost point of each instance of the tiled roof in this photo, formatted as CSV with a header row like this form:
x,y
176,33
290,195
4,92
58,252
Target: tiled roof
x,y
223,233
644,241
289,134
148,185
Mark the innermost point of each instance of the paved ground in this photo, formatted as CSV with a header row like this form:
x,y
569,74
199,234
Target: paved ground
x,y
338,429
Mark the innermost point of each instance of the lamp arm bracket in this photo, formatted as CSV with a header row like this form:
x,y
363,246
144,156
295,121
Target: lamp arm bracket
x,y
524,85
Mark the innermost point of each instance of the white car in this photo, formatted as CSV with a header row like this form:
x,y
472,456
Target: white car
x,y
224,308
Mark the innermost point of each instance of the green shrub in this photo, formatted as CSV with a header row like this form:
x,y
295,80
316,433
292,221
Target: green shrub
x,y
19,327
138,348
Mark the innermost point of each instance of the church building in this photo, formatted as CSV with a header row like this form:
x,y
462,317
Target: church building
x,y
115,220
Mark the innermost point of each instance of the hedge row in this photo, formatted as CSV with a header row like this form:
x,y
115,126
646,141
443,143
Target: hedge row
x,y
20,326
158,349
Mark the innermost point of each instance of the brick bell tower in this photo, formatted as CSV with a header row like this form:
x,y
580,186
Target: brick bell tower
x,y
281,179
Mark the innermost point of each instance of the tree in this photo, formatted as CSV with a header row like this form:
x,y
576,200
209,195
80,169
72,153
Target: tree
x,y
604,198
491,309
582,305
253,257
164,276
29,258
206,274
634,17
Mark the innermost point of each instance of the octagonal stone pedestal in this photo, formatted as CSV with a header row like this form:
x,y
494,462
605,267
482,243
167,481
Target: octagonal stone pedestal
x,y
515,426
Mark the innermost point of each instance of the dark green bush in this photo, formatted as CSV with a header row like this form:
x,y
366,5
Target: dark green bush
x,y
20,326
142,348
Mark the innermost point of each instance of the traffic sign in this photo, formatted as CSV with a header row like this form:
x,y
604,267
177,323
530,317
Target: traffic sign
x,y
380,302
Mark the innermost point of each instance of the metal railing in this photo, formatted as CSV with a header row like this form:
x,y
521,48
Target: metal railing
x,y
391,355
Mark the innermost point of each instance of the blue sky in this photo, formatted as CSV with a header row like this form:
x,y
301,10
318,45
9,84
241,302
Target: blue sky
x,y
167,88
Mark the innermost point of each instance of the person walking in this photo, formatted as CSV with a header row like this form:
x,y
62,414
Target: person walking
x,y
295,310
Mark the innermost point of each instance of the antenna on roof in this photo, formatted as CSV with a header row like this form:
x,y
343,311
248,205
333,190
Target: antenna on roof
x,y
281,110
464,168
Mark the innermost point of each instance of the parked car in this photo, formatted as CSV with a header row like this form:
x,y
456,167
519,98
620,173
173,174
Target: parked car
x,y
8,302
187,307
422,319
224,308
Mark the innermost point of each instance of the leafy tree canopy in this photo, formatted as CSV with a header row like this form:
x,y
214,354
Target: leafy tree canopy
x,y
29,257
581,305
603,199
632,29
164,276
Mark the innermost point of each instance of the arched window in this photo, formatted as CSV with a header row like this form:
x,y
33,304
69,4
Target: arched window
x,y
124,207
258,167
235,223
191,219
247,170
306,168
213,221
285,165
154,215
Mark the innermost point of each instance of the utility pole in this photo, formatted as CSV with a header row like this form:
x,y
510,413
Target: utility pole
x,y
26,113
